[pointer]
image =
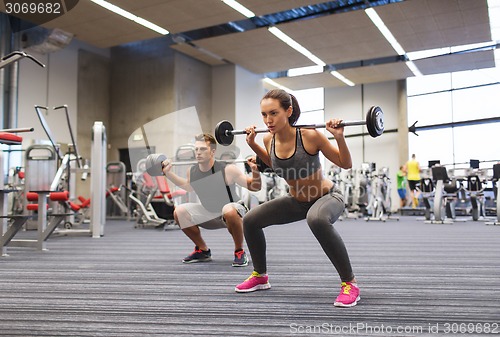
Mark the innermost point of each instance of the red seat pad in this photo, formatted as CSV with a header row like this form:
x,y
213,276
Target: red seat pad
x,y
84,203
59,196
74,206
32,196
10,138
162,184
33,207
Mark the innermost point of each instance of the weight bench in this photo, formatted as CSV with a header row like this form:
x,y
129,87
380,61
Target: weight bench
x,y
145,212
9,229
44,228
114,193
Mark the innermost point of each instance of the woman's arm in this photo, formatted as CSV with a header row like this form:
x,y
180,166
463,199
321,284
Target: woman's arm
x,y
340,155
260,151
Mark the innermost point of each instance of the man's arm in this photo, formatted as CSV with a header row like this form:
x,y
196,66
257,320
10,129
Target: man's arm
x,y
252,183
177,180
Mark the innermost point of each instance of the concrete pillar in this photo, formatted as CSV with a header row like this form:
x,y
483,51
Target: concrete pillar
x,y
402,122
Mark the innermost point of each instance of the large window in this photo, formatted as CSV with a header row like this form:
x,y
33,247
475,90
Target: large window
x,y
468,103
312,107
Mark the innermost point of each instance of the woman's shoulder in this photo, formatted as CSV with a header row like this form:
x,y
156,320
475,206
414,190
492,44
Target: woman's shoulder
x,y
311,134
267,138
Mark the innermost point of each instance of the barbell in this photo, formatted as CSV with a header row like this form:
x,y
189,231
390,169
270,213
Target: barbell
x,y
374,121
154,163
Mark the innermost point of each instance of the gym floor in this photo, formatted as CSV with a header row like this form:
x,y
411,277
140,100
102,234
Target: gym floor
x,y
415,279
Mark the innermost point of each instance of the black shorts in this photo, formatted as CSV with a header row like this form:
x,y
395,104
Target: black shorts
x,y
413,184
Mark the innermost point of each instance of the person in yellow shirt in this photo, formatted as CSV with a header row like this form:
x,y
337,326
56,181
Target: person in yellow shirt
x,y
412,169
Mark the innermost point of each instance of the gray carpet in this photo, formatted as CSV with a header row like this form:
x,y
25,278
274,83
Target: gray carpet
x,y
415,279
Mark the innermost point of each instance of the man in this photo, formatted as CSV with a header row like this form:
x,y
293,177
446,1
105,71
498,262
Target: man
x,y
219,207
412,169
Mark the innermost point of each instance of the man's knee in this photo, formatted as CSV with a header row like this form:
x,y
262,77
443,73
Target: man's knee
x,y
182,216
231,215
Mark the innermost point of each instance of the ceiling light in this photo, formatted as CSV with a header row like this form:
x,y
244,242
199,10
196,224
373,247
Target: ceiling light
x,y
413,68
304,71
342,78
384,30
130,16
239,8
295,45
377,21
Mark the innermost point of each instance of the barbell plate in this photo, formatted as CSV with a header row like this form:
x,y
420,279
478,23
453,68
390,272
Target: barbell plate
x,y
375,121
153,164
223,133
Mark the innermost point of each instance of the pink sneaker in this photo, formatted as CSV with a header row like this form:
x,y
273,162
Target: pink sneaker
x,y
253,283
349,295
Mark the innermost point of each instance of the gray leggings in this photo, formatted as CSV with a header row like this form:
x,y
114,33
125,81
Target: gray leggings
x,y
320,215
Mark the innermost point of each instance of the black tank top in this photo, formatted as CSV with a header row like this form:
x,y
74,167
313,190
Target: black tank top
x,y
211,187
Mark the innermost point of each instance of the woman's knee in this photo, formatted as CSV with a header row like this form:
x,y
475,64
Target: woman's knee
x,y
317,223
323,215
251,220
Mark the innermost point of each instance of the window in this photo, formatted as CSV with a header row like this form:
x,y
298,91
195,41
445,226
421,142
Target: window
x,y
468,96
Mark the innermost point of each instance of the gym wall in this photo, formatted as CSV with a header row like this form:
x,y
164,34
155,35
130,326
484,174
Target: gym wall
x,y
352,103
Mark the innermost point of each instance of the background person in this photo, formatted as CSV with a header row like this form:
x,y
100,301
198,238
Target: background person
x,y
294,155
219,207
412,169
401,184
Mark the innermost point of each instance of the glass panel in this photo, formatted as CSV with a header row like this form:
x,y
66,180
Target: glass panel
x,y
463,79
311,99
476,142
430,109
476,103
311,117
426,84
432,145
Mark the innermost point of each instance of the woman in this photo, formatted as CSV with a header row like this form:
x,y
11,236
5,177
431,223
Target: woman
x,y
293,154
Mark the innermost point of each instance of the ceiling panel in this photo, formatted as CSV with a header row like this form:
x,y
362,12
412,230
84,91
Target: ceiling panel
x,y
340,38
257,50
197,54
429,24
185,15
457,62
309,81
109,31
377,73
263,7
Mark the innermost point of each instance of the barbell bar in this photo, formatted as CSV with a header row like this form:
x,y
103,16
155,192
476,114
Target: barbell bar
x,y
374,121
154,163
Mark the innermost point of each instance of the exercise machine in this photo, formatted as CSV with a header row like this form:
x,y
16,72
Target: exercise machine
x,y
380,200
496,189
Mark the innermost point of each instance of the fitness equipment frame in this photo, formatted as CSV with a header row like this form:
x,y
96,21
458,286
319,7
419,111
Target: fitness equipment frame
x,y
224,131
496,183
16,56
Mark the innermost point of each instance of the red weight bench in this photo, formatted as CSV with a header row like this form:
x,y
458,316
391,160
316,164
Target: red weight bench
x,y
9,229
